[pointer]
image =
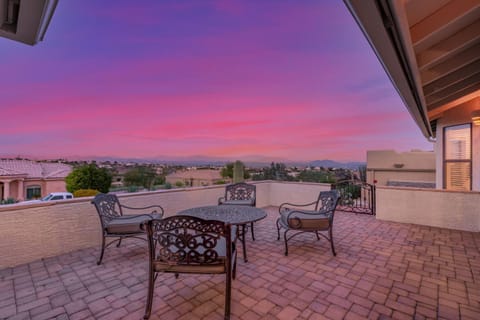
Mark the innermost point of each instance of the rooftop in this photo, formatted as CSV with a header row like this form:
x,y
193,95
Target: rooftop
x,y
382,269
33,169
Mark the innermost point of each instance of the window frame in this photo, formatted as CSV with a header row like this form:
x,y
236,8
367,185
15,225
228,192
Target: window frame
x,y
445,161
33,186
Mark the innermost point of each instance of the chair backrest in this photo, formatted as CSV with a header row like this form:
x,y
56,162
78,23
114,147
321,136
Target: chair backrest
x,y
108,207
327,201
186,240
240,191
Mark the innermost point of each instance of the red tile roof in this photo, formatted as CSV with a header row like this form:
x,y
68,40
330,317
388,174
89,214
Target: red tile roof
x,y
33,169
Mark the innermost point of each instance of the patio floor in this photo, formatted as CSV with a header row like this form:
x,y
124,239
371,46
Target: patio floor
x,y
382,270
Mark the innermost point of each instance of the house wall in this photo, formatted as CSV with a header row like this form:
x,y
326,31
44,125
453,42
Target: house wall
x,y
459,115
54,186
413,166
437,208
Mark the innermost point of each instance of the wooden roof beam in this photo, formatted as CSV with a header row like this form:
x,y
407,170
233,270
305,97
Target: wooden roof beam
x,y
461,40
448,66
457,14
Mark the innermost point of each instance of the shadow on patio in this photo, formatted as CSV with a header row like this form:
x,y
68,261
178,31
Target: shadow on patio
x,y
382,269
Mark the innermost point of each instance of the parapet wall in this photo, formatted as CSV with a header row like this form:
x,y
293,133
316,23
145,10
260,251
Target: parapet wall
x,y
39,230
436,208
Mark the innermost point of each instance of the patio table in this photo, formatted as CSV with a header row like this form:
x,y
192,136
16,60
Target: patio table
x,y
234,215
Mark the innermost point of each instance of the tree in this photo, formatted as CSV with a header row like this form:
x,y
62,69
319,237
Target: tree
x,y
89,177
316,176
276,171
140,176
227,171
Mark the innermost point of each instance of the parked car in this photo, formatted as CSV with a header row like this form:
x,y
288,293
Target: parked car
x,y
53,196
58,196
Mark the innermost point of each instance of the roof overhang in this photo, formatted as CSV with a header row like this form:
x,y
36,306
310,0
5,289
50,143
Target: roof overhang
x,y
26,21
430,49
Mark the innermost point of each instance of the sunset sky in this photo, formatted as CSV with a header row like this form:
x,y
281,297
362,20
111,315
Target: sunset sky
x,y
250,80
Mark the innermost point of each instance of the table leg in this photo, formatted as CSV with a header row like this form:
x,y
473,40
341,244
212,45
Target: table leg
x,y
244,245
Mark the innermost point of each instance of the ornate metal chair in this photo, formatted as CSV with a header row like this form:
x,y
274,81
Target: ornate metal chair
x,y
301,220
116,225
184,244
240,194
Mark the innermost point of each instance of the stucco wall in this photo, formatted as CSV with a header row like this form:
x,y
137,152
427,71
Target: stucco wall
x,y
437,208
383,176
295,192
33,231
54,186
413,166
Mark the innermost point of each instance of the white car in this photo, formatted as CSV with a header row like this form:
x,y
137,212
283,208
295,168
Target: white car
x,y
52,196
58,196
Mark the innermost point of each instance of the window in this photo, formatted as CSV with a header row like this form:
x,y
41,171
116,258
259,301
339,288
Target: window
x,y
34,192
57,198
458,157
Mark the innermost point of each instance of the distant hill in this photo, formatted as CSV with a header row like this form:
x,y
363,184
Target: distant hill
x,y
200,160
336,164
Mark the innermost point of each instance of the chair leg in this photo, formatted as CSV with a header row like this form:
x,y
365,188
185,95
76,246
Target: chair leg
x,y
151,286
234,271
119,242
318,237
331,241
278,231
286,242
99,261
253,235
177,275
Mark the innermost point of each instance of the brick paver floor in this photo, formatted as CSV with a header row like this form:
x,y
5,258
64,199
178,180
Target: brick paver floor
x,y
382,270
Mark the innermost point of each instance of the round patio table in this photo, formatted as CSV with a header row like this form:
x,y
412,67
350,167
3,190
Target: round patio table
x,y
232,214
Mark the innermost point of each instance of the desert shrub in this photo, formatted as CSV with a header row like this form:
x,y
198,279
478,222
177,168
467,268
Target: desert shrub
x,y
85,193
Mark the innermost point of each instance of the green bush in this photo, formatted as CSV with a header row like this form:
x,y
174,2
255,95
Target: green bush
x,y
179,184
85,193
8,201
132,188
168,185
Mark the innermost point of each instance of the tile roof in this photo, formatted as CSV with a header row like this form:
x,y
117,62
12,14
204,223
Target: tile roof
x,y
33,169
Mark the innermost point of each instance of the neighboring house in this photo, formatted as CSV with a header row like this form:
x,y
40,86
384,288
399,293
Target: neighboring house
x,y
406,169
195,178
26,179
431,52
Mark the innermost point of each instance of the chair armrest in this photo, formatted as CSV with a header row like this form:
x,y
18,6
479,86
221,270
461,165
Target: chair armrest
x,y
159,208
283,205
134,216
221,200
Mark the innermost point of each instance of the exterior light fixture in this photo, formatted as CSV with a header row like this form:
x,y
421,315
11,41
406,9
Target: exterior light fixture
x,y
476,117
